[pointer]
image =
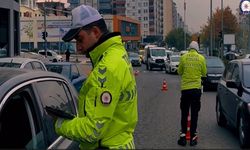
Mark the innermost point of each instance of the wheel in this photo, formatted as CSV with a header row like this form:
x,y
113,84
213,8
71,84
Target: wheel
x,y
221,119
243,131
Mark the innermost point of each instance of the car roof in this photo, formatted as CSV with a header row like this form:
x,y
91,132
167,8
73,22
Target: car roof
x,y
10,77
60,63
19,60
242,61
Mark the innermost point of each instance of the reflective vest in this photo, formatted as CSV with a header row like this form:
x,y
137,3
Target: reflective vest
x,y
192,67
107,103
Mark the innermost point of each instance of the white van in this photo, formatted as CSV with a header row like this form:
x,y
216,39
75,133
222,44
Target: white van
x,y
155,57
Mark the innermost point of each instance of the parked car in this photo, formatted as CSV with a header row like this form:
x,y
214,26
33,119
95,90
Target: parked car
x,y
51,55
134,59
215,69
24,123
172,64
233,99
24,63
247,56
33,55
70,70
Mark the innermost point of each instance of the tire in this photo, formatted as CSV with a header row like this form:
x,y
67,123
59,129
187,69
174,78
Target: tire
x,y
221,119
243,131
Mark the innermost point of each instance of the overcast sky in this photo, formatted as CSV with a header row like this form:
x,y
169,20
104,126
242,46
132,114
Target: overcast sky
x,y
198,11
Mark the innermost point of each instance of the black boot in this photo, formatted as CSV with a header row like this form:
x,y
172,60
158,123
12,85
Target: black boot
x,y
182,141
193,140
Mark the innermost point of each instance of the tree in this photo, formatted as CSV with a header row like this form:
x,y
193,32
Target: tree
x,y
175,38
230,26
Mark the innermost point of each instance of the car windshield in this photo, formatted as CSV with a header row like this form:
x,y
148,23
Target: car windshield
x,y
64,70
246,74
158,52
11,65
214,63
133,55
175,59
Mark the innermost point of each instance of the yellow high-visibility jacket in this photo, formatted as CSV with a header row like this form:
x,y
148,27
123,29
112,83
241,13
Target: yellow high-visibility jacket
x,y
192,67
107,101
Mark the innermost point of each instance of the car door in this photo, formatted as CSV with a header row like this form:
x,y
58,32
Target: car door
x,y
233,98
223,90
58,95
20,126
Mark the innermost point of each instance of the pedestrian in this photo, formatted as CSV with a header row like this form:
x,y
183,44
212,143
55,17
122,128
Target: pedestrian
x,y
107,107
192,68
67,53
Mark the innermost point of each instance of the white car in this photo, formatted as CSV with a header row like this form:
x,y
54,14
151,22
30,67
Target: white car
x,y
24,63
51,55
172,64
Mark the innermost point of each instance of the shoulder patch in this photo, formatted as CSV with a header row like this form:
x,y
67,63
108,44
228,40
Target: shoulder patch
x,y
106,98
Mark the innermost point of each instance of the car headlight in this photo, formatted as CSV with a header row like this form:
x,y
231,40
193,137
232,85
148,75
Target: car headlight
x,y
214,75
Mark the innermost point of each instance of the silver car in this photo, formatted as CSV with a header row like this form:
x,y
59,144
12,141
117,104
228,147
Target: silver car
x,y
24,122
24,63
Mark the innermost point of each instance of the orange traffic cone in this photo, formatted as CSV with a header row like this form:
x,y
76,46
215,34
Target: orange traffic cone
x,y
188,136
164,85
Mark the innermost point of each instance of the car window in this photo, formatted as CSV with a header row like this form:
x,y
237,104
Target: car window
x,y
229,71
158,52
19,125
42,53
54,94
38,66
75,71
28,66
236,74
214,62
49,53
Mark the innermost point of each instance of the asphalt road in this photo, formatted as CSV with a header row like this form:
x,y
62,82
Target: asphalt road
x,y
159,115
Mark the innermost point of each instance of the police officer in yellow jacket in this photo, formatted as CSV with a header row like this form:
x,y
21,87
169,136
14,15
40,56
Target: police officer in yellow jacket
x,y
192,68
107,103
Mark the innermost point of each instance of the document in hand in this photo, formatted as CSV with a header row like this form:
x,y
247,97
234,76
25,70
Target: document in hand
x,y
58,113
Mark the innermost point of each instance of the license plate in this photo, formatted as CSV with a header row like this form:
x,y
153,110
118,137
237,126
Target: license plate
x,y
214,81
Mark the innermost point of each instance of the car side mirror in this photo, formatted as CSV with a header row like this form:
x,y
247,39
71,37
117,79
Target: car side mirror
x,y
236,85
74,76
231,84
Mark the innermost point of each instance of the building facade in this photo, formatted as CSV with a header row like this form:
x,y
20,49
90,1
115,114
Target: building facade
x,y
9,28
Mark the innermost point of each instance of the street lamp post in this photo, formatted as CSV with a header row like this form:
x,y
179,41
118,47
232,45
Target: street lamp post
x,y
185,25
222,29
211,29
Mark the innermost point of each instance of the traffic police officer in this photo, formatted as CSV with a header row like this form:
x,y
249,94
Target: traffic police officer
x,y
107,103
192,68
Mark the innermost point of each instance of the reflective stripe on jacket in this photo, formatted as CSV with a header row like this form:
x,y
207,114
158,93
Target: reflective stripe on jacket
x,y
192,67
107,101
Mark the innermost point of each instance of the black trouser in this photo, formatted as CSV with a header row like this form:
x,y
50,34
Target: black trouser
x,y
190,98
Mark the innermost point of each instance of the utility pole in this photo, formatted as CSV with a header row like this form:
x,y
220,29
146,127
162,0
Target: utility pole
x,y
185,44
222,29
211,29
